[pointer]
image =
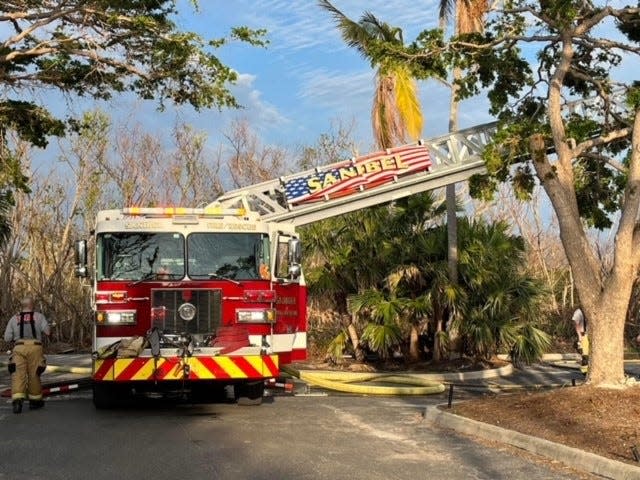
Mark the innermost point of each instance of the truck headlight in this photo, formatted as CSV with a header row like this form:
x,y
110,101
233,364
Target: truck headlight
x,y
259,315
116,318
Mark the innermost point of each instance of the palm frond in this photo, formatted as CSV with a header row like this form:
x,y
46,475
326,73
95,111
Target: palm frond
x,y
408,102
353,33
388,129
409,273
381,30
530,344
445,11
337,346
368,300
382,338
470,15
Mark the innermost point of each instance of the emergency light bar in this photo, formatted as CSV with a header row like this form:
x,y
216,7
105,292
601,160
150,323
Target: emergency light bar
x,y
209,211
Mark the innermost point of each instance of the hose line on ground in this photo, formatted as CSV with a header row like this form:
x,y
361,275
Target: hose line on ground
x,y
63,369
349,382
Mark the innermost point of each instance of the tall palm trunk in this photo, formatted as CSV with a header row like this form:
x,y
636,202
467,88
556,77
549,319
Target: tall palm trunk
x,y
355,339
438,322
452,218
414,344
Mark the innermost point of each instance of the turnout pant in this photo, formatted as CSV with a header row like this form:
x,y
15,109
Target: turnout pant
x,y
29,365
584,364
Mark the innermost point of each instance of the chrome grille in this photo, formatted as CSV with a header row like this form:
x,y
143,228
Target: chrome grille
x,y
166,302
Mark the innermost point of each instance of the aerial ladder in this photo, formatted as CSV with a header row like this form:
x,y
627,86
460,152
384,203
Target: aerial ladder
x,y
361,182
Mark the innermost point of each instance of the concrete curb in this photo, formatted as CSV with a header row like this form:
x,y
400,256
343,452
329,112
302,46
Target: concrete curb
x,y
573,457
547,357
465,376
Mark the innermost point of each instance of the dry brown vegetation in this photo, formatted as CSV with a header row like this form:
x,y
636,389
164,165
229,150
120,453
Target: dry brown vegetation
x,y
597,420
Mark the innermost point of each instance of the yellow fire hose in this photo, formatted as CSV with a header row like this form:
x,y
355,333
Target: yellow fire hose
x,y
349,382
63,369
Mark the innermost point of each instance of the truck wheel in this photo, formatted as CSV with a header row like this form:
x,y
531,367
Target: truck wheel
x,y
103,396
250,393
106,396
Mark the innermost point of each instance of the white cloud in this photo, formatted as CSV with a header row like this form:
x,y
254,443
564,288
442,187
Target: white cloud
x,y
295,25
245,80
331,89
262,113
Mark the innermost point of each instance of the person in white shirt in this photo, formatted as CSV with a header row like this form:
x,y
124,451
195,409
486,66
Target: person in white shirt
x,y
24,332
580,323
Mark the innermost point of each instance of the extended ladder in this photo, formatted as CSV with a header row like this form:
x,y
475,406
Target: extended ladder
x,y
343,187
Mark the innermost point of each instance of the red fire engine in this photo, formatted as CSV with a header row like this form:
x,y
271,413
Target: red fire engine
x,y
194,299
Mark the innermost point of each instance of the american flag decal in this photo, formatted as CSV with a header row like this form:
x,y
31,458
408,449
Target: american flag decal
x,y
344,178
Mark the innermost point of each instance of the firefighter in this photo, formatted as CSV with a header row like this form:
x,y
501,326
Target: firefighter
x,y
25,331
580,323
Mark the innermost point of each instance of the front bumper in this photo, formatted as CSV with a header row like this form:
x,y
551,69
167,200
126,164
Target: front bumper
x,y
221,367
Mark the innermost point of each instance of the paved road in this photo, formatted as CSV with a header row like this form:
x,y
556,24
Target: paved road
x,y
302,437
334,437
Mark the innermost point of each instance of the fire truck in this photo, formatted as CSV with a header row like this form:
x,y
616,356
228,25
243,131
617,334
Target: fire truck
x,y
201,299
210,296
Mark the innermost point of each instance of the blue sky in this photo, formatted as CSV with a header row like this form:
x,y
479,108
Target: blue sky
x,y
307,77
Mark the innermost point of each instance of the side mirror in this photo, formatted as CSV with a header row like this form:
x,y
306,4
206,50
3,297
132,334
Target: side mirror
x,y
81,259
295,251
294,271
295,258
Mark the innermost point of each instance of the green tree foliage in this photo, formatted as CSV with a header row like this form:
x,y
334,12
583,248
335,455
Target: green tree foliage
x,y
532,60
501,301
388,265
97,49
396,113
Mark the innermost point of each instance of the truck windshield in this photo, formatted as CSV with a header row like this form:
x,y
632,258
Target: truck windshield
x,y
238,256
140,256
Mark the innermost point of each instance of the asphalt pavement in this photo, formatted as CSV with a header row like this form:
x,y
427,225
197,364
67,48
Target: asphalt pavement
x,y
308,436
333,437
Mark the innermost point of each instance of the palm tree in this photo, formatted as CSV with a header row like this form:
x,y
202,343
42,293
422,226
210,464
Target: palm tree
x,y
396,113
385,313
469,18
502,302
346,256
420,269
494,305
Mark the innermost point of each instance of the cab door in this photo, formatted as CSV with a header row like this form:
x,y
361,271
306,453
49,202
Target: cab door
x,y
290,330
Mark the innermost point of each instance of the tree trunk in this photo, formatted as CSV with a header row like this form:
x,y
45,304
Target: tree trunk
x,y
437,347
414,344
604,297
606,339
452,219
452,233
355,341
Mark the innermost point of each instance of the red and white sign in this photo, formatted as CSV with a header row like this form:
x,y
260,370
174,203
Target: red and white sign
x,y
346,178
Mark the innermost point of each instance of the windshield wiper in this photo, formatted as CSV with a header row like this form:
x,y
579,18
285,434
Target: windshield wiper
x,y
222,277
146,276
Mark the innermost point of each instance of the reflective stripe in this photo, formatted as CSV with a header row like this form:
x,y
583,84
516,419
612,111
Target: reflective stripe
x,y
173,368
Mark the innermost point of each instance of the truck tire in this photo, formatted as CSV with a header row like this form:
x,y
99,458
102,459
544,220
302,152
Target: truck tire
x,y
107,395
103,396
250,393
